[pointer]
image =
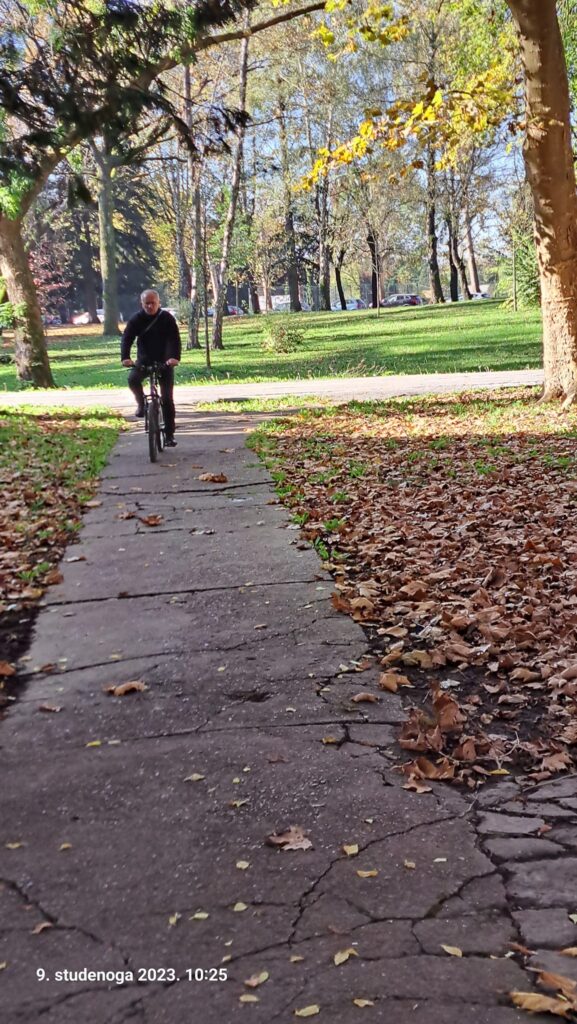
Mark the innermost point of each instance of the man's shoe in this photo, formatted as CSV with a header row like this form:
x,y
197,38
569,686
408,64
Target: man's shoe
x,y
170,442
139,412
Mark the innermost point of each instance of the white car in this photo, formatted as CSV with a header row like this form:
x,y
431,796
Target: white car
x,y
479,295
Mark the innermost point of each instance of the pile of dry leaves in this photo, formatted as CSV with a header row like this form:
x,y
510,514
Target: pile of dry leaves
x,y
450,527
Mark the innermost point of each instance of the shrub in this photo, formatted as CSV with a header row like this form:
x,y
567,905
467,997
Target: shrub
x,y
282,333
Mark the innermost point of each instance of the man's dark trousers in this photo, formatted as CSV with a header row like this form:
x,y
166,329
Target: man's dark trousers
x,y
166,378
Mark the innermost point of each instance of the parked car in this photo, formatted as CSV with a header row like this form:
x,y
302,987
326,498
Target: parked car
x,y
402,299
479,295
235,310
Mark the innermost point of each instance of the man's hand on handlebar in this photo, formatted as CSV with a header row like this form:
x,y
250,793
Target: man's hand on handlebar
x,y
128,362
172,362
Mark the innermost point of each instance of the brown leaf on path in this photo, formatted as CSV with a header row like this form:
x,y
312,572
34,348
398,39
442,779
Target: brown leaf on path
x,y
152,520
449,716
41,927
257,979
54,708
134,686
126,515
365,698
534,1002
93,503
213,478
416,786
392,680
567,986
6,669
452,950
293,838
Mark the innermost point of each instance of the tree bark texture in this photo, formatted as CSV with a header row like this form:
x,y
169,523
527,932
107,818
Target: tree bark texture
x,y
373,249
222,276
30,351
290,240
435,285
104,167
551,175
453,275
338,268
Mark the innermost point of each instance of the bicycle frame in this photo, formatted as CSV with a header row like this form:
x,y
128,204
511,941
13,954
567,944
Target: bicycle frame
x,y
153,412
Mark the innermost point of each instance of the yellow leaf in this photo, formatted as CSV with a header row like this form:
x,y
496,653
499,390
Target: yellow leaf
x,y
351,850
343,955
248,998
39,928
65,846
235,804
452,950
195,777
308,1011
368,874
242,865
3,965
296,959
536,1003
94,743
201,915
257,979
329,739
174,919
363,1002
409,864
569,951
13,846
239,907
499,771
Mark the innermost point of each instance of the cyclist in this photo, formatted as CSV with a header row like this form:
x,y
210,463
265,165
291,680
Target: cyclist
x,y
157,341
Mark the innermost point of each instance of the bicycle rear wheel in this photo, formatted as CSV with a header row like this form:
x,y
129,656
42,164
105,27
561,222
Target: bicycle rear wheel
x,y
153,447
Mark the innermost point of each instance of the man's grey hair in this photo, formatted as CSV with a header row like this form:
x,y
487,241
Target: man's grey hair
x,y
149,291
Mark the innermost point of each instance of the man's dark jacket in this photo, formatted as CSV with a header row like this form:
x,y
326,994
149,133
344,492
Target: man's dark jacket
x,y
160,342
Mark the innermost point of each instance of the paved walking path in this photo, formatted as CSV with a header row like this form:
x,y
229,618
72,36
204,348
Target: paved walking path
x,y
338,388
133,829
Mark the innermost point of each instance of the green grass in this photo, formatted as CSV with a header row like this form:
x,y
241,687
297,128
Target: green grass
x,y
464,337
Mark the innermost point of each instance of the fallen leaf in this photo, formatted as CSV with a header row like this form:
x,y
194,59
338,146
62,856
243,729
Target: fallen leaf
x,y
239,907
372,873
329,739
558,981
569,951
174,919
391,681
248,998
235,804
343,955
13,846
534,1002
417,786
213,478
452,950
364,697
195,777
296,959
65,846
308,1011
351,849
200,915
257,979
76,558
54,708
134,686
363,1002
243,865
41,927
293,839
94,743
152,520
6,669
93,503
409,864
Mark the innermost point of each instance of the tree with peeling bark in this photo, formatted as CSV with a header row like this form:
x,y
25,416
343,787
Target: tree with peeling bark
x,y
68,72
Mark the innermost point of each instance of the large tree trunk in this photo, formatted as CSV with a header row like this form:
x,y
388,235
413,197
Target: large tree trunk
x,y
290,240
453,275
253,293
338,269
30,351
435,286
324,254
373,248
104,166
551,175
473,269
90,300
222,278
456,263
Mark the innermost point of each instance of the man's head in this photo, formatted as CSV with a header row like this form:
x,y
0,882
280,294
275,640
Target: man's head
x,y
150,301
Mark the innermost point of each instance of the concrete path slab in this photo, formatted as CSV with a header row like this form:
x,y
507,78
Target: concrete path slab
x,y
133,830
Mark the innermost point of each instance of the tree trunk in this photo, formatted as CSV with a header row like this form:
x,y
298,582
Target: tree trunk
x,y
196,267
456,263
435,286
30,351
473,269
222,281
86,252
253,294
266,293
338,269
551,175
453,275
324,254
372,243
290,240
104,166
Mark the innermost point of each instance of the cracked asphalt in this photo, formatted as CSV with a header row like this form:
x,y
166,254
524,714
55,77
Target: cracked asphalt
x,y
133,828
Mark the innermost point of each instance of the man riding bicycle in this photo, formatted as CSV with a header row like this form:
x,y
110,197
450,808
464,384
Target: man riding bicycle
x,y
157,341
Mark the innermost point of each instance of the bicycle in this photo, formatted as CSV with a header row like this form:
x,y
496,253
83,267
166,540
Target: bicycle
x,y
153,413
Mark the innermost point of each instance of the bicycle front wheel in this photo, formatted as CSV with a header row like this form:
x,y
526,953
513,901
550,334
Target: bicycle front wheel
x,y
153,448
161,429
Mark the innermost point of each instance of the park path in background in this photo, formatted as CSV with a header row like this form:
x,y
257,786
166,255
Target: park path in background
x,y
133,829
341,389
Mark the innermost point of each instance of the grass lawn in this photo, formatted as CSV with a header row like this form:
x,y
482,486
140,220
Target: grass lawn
x,y
468,336
449,526
49,464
